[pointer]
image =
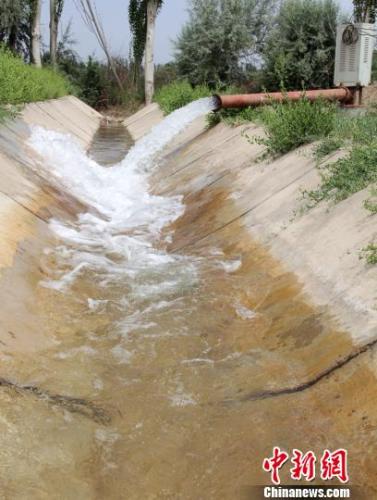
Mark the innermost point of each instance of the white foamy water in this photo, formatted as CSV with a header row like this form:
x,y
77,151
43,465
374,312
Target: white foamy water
x,y
116,239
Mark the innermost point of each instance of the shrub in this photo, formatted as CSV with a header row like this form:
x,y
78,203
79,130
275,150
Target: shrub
x,y
218,35
291,124
233,117
327,146
369,253
21,83
371,206
178,94
347,175
300,49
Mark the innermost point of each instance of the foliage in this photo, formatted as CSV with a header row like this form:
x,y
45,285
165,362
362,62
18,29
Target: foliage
x,y
221,40
93,83
300,50
21,83
178,94
137,16
347,175
358,169
234,117
165,74
8,112
15,25
348,130
371,205
290,124
369,253
374,66
138,24
3,114
364,11
361,129
327,146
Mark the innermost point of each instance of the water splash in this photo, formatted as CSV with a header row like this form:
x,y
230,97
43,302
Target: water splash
x,y
116,240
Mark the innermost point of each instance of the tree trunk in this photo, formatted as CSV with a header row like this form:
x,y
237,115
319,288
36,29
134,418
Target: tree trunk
x,y
98,29
36,34
152,7
53,31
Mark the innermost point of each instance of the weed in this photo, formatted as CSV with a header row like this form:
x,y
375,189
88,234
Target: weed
x,y
371,206
178,94
369,253
234,117
291,124
347,175
371,203
327,146
21,83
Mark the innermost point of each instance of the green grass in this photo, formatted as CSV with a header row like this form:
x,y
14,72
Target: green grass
x,y
22,83
353,173
289,125
4,114
370,204
369,253
177,94
233,117
327,146
348,175
358,169
8,112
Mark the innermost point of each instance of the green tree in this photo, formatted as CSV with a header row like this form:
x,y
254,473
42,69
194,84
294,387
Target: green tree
x,y
93,83
35,32
220,38
56,10
300,50
142,17
14,25
20,28
364,11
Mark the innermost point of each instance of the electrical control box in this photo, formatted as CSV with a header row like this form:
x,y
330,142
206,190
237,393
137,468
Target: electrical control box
x,y
354,53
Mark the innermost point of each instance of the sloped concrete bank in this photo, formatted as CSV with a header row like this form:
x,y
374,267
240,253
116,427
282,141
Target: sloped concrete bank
x,y
321,245
27,202
278,351
314,372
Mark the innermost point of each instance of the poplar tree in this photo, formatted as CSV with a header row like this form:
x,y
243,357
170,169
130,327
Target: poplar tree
x,y
14,25
56,10
142,18
35,32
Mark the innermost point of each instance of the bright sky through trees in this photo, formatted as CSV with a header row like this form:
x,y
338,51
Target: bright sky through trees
x,y
114,14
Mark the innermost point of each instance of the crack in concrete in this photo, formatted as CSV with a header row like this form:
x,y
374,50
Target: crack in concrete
x,y
274,393
80,406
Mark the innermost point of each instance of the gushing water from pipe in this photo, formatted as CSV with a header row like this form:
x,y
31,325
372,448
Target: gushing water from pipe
x,y
116,240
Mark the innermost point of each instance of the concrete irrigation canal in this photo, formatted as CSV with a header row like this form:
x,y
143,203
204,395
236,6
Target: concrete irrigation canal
x,y
169,314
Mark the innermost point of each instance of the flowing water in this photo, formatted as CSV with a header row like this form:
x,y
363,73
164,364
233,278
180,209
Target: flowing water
x,y
142,390
110,144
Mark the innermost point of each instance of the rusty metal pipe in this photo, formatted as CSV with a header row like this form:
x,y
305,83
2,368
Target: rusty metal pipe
x,y
342,94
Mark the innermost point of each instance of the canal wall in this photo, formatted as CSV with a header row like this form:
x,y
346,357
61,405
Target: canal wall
x,y
278,345
27,203
222,178
25,199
